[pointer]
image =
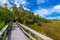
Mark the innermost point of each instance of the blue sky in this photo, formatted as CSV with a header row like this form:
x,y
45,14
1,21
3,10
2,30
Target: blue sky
x,y
49,9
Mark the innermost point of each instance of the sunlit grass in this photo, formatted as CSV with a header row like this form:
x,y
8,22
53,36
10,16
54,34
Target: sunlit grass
x,y
51,30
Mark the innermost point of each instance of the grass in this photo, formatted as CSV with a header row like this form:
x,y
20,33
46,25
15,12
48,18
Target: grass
x,y
51,30
2,24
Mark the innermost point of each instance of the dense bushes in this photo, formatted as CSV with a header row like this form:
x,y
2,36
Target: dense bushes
x,y
6,15
21,15
27,17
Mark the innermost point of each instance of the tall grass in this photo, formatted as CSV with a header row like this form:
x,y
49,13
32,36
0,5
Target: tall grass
x,y
51,30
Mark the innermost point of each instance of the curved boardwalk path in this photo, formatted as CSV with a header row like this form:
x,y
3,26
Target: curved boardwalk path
x,y
17,34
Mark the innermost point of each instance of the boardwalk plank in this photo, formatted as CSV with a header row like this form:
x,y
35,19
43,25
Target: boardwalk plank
x,y
17,34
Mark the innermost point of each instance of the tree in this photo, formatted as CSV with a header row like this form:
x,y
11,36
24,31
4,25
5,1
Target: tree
x,y
5,4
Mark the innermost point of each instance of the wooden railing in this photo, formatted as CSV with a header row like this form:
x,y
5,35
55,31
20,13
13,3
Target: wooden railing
x,y
23,28
39,35
4,32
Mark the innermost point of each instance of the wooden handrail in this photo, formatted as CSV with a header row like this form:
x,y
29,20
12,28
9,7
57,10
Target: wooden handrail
x,y
3,30
36,33
27,34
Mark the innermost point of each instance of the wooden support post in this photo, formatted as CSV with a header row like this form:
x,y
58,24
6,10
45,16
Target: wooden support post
x,y
30,34
4,35
10,25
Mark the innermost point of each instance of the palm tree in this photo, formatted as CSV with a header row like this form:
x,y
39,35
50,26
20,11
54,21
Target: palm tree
x,y
5,4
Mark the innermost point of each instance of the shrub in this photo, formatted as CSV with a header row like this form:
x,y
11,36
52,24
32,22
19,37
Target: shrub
x,y
39,23
2,24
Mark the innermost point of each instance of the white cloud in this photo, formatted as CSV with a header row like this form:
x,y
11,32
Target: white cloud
x,y
51,18
43,12
41,1
2,2
56,8
19,2
26,8
58,17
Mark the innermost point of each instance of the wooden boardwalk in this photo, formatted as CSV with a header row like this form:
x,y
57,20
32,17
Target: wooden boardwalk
x,y
17,34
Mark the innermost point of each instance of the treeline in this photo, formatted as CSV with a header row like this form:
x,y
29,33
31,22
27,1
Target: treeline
x,y
27,17
20,15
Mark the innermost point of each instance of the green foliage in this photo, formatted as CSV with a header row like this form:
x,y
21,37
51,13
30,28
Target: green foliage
x,y
21,15
27,17
39,23
6,15
2,24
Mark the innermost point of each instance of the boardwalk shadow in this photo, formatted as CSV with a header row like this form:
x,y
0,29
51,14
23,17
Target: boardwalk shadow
x,y
9,36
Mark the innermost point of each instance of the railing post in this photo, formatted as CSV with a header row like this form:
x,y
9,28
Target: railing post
x,y
30,34
4,38
10,26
